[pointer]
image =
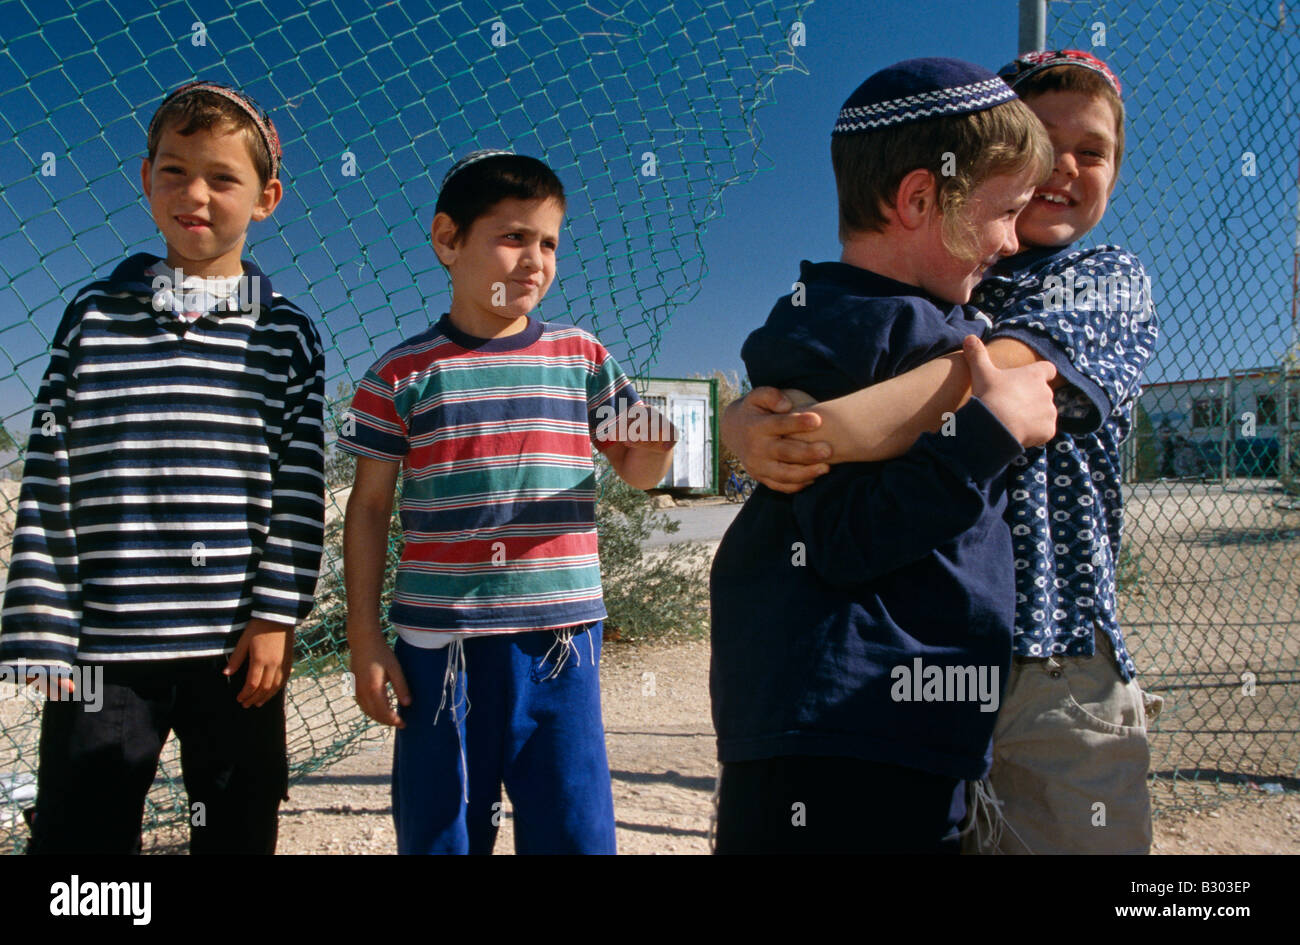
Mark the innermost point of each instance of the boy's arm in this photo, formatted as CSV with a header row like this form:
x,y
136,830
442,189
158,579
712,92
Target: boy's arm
x,y
365,553
1099,338
861,521
636,439
285,586
882,421
268,647
759,428
376,432
41,622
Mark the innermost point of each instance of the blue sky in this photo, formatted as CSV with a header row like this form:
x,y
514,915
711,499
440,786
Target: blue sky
x,y
788,212
410,86
1217,243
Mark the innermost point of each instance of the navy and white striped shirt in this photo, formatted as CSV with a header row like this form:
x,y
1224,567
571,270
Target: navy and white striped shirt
x,y
174,483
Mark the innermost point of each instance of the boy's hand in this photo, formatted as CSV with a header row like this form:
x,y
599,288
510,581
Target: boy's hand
x,y
43,682
798,398
375,667
268,647
755,428
1021,398
639,427
639,445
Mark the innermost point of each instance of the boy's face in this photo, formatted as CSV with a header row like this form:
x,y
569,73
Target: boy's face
x,y
503,266
203,192
990,216
1073,201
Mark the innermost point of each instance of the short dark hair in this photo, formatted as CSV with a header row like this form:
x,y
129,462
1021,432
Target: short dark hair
x,y
473,191
870,166
1067,78
200,109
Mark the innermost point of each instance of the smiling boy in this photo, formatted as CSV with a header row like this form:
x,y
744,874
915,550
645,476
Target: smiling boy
x,y
171,513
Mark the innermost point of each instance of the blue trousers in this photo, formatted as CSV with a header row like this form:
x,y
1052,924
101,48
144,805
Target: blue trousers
x,y
509,719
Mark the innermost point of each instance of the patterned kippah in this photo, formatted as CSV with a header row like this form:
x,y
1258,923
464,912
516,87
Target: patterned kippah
x,y
917,89
1031,62
260,118
473,158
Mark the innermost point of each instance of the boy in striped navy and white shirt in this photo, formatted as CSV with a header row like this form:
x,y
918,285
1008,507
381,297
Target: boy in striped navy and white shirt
x,y
169,527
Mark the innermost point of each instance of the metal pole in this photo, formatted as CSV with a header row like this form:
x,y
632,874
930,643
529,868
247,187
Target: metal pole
x,y
1292,351
1284,430
1228,417
1033,25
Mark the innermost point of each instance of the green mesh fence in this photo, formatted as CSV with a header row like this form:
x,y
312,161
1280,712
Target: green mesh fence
x,y
1207,198
646,113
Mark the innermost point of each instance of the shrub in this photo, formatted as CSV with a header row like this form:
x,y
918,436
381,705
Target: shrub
x,y
659,594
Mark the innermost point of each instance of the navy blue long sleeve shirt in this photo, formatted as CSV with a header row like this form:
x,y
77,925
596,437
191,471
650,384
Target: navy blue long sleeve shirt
x,y
869,615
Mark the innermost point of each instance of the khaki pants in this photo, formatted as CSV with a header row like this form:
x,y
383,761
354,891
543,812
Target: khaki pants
x,y
1070,761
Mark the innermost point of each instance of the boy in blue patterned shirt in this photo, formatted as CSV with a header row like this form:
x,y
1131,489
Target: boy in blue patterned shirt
x,y
1072,729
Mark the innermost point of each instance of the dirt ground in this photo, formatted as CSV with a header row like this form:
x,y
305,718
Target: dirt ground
x,y
1212,618
661,754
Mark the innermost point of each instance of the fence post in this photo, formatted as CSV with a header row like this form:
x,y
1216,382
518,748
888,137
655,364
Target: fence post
x,y
1227,416
1033,25
1285,420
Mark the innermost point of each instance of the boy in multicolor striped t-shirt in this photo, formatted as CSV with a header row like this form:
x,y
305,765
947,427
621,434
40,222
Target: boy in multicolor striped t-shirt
x,y
490,416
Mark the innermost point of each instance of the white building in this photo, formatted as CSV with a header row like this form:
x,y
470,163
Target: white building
x,y
1215,426
692,406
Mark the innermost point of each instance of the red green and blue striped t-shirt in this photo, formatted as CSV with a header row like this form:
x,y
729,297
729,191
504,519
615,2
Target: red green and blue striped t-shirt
x,y
498,485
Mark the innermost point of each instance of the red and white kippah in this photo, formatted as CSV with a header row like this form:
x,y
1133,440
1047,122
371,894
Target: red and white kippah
x,y
260,118
1029,63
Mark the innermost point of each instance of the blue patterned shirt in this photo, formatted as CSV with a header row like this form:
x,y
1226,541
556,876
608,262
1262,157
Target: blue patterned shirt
x,y
1089,313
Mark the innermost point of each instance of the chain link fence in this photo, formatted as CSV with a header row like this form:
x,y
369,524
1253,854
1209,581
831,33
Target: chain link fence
x,y
647,114
1207,199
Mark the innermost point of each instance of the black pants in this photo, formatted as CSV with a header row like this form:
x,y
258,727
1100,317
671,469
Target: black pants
x,y
812,804
97,767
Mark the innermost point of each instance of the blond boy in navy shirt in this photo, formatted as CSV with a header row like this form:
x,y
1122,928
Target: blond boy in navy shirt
x,y
835,609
